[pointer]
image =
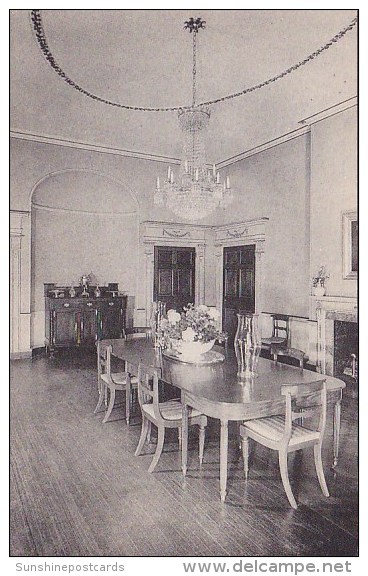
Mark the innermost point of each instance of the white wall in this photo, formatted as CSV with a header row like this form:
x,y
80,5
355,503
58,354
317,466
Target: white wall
x,y
333,190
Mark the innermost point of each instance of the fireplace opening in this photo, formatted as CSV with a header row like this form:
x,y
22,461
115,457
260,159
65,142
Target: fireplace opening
x,y
346,348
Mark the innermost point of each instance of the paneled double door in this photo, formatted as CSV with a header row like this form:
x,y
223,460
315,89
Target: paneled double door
x,y
238,285
174,276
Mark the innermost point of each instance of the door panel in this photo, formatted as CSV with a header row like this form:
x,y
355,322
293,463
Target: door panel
x,y
89,328
165,282
65,327
174,276
238,285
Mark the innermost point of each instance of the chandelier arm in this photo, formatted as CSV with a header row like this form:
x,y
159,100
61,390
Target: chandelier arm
x,y
43,45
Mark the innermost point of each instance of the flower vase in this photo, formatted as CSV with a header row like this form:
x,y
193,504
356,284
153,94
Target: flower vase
x,y
319,289
247,344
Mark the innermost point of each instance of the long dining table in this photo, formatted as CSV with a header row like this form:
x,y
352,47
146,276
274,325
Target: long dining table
x,y
215,390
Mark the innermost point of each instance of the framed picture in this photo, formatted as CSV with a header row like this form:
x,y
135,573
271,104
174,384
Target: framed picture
x,y
350,244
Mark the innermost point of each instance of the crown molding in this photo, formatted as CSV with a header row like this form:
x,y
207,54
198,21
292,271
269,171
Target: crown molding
x,y
305,123
92,147
262,147
330,111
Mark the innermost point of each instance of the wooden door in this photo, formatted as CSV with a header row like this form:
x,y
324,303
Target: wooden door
x,y
174,276
238,285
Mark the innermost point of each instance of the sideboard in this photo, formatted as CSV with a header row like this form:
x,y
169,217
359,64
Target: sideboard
x,y
80,321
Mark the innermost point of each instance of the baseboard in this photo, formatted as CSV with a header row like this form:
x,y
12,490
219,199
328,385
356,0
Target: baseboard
x,y
21,355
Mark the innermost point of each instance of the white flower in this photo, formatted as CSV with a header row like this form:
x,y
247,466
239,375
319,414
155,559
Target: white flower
x,y
214,313
173,316
188,334
202,308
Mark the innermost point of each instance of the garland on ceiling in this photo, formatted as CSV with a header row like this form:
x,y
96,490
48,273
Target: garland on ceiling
x,y
42,42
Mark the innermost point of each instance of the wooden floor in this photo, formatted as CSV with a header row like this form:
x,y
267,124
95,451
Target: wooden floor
x,y
78,490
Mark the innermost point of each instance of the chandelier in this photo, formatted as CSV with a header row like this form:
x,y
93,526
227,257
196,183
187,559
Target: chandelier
x,y
197,191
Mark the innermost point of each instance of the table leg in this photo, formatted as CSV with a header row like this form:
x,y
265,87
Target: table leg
x,y
336,432
224,435
184,439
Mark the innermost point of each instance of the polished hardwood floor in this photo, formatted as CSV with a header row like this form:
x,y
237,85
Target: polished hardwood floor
x,y
78,490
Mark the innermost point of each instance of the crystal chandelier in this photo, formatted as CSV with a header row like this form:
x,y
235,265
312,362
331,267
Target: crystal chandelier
x,y
198,191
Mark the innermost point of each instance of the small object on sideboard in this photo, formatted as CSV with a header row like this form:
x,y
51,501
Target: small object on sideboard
x,y
72,292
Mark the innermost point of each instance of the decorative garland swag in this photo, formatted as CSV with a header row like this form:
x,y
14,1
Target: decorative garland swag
x,y
42,42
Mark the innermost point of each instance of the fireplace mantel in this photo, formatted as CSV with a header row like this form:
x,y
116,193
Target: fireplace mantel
x,y
325,310
335,305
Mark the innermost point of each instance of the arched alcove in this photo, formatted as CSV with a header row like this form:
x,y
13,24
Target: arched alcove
x,y
82,222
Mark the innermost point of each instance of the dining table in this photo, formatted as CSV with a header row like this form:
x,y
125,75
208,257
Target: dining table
x,y
214,388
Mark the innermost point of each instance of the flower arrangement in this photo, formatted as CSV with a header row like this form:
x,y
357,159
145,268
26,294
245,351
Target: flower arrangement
x,y
195,324
320,277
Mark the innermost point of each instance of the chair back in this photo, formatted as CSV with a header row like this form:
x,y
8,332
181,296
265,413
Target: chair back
x,y
148,389
138,332
280,326
295,353
314,400
103,359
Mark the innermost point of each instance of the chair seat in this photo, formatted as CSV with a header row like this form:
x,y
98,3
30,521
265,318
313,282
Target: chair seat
x,y
273,428
120,379
170,410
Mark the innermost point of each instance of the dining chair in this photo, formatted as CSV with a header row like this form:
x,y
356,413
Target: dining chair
x,y
280,332
276,351
109,382
283,434
162,414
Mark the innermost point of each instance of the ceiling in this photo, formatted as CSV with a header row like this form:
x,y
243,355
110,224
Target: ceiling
x,y
144,58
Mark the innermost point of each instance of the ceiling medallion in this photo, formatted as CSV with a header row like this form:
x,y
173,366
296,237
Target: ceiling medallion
x,y
198,190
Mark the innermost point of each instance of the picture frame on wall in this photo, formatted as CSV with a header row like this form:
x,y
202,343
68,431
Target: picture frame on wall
x,y
350,244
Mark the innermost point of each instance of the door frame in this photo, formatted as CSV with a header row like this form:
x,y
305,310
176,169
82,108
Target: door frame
x,y
167,234
241,234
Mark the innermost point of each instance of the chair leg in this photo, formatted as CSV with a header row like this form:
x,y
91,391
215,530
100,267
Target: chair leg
x,y
149,432
202,436
283,463
142,438
100,400
179,437
245,452
110,406
160,445
319,469
127,404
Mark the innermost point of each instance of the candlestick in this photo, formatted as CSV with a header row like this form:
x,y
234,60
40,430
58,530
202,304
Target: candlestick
x,y
158,183
186,165
214,170
218,177
172,177
227,182
196,174
168,173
